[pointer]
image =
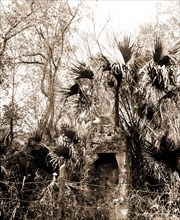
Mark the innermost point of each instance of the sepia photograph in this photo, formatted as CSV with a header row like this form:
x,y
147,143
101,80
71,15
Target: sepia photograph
x,y
89,109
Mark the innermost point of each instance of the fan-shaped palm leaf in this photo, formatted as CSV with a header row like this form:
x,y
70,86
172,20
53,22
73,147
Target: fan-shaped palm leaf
x,y
70,134
126,48
158,49
72,90
81,71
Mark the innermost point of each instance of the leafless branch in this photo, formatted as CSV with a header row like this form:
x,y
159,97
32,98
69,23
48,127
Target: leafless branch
x,y
30,62
34,54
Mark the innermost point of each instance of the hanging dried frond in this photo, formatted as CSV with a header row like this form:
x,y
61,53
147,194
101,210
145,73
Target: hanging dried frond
x,y
139,62
162,78
156,76
113,62
126,48
117,71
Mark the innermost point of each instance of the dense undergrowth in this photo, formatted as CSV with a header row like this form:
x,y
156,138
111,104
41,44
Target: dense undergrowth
x,y
125,91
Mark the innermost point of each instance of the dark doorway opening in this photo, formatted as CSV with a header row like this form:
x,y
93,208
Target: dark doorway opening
x,y
106,170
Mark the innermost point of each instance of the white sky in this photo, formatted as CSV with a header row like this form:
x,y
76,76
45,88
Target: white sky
x,y
118,17
124,15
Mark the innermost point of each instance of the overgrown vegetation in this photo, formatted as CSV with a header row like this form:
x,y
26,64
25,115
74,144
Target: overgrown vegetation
x,y
53,103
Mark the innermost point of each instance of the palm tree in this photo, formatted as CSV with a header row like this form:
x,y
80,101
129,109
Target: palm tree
x,y
144,95
117,66
150,115
146,104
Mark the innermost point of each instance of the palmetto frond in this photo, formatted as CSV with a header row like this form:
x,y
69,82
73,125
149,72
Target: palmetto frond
x,y
72,90
62,151
165,60
163,160
82,72
126,48
59,153
175,49
81,101
162,56
158,49
147,110
112,54
154,169
70,134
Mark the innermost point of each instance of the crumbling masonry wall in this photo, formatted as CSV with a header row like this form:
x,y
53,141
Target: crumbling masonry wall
x,y
107,168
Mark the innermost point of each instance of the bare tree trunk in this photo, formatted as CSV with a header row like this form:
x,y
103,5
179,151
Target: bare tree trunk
x,y
123,159
116,105
61,191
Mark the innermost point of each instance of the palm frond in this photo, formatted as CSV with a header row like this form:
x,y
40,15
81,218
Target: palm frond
x,y
62,151
166,60
70,134
106,63
158,49
81,71
59,153
161,56
175,49
6,142
154,167
171,94
72,90
126,48
168,153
